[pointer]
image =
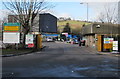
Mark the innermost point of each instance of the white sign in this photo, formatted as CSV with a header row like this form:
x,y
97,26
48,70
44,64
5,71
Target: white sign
x,y
115,45
11,37
29,39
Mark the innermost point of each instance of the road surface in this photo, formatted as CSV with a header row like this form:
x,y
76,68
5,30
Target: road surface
x,y
61,60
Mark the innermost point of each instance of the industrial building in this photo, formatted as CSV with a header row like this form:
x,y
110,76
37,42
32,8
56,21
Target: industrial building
x,y
95,33
47,23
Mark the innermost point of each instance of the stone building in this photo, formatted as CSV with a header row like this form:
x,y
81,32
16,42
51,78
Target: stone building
x,y
91,32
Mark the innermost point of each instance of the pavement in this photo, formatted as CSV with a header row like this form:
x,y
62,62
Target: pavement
x,y
61,60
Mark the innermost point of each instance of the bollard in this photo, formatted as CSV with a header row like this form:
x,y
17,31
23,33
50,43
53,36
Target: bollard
x,y
39,41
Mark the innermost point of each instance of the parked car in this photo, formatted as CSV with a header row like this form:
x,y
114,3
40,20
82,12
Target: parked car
x,y
49,39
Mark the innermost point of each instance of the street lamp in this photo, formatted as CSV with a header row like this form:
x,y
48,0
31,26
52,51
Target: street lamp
x,y
87,20
87,10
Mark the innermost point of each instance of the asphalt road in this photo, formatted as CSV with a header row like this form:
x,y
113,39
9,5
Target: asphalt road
x,y
61,60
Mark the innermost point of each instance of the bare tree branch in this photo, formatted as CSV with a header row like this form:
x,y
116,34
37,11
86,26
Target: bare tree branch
x,y
25,11
109,15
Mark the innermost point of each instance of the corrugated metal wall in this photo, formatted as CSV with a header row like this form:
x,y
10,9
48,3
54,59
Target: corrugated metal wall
x,y
47,23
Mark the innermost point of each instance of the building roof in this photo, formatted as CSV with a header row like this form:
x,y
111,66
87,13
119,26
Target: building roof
x,y
47,14
100,28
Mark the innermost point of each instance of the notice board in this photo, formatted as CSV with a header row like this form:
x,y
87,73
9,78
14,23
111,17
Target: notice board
x,y
11,37
29,39
115,45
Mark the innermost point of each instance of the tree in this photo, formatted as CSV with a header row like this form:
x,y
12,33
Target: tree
x,y
109,14
25,11
69,18
4,17
67,28
101,17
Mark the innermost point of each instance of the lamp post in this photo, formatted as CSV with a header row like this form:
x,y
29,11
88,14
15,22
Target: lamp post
x,y
87,21
87,9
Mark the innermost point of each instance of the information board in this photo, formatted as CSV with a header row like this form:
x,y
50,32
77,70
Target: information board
x,y
108,40
115,45
11,37
29,39
11,27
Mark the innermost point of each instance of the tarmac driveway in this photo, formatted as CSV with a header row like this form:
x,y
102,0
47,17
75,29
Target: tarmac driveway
x,y
61,60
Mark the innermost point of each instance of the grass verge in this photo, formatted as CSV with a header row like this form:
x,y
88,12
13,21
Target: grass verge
x,y
15,51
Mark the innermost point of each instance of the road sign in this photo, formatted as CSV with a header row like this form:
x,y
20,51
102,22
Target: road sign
x,y
29,40
30,45
11,37
11,33
11,24
11,27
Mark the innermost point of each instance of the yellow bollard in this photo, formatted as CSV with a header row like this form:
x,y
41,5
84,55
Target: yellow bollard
x,y
39,41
